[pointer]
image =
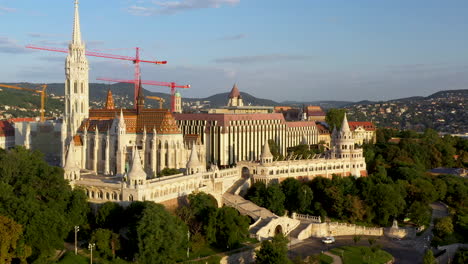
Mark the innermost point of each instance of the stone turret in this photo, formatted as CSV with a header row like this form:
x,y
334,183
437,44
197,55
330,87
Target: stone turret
x,y
235,98
266,156
71,169
194,165
110,101
136,176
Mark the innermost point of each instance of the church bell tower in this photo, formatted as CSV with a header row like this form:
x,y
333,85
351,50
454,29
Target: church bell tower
x,y
76,84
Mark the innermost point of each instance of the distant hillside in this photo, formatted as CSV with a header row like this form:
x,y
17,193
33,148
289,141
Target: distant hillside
x,y
444,111
221,99
323,104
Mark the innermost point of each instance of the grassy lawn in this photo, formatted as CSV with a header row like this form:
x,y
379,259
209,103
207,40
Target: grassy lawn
x,y
71,258
325,259
360,254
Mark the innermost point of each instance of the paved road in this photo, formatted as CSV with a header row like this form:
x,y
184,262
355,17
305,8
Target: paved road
x,y
403,251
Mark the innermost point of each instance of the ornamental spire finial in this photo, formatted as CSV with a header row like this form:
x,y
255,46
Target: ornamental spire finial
x,y
76,38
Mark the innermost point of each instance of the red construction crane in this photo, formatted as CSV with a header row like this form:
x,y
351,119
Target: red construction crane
x,y
136,60
172,85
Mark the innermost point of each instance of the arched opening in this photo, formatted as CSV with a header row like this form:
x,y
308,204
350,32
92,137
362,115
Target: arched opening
x,y
278,230
245,172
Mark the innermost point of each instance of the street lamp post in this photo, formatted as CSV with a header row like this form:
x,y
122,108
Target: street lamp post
x,y
77,228
188,245
90,247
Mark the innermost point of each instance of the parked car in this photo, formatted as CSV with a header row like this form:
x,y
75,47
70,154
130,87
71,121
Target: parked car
x,y
328,240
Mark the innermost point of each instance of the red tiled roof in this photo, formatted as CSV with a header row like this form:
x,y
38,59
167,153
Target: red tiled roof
x,y
314,110
300,124
160,119
22,119
234,92
6,129
322,129
368,126
279,109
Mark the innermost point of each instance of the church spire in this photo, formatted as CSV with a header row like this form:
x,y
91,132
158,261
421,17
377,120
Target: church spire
x,y
76,38
110,100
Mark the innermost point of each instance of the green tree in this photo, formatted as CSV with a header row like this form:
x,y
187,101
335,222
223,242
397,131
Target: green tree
x,y
461,256
444,226
109,216
419,213
11,244
298,196
231,228
107,242
162,237
429,257
274,199
386,203
334,117
257,193
274,251
356,239
37,196
274,149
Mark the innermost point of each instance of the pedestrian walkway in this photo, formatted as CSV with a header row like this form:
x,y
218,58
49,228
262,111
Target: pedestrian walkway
x,y
336,259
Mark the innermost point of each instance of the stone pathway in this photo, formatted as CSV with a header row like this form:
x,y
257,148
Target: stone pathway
x,y
336,259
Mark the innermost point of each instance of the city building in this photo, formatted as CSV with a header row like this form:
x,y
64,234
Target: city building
x,y
236,105
7,134
314,113
364,132
343,159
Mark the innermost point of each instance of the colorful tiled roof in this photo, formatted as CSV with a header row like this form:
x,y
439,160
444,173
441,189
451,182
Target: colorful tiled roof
x,y
368,126
135,122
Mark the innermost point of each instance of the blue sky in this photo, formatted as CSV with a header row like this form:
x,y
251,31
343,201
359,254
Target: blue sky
x,y
282,50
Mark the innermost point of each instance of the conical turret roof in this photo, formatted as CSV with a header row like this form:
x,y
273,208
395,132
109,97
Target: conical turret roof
x,y
70,161
193,160
137,172
266,153
234,92
345,125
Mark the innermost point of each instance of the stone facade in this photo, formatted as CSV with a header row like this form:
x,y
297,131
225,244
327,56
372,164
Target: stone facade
x,y
364,132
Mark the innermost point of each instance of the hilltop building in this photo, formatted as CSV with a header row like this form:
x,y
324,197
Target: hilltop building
x,y
178,102
314,113
364,132
236,105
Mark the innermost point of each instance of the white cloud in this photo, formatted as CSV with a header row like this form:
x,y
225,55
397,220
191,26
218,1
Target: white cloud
x,y
7,10
172,7
234,37
8,45
262,58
